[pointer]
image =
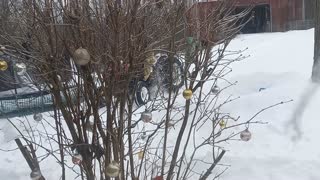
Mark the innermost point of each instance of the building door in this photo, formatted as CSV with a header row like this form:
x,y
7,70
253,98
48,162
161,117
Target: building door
x,y
258,20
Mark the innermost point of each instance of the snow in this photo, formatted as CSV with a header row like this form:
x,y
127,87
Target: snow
x,y
285,148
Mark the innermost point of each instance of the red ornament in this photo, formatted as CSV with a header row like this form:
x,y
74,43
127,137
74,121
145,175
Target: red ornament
x,y
158,178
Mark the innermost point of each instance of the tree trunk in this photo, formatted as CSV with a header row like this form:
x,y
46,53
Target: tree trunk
x,y
316,62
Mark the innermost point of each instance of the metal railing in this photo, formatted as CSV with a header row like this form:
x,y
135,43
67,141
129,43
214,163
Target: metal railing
x,y
23,104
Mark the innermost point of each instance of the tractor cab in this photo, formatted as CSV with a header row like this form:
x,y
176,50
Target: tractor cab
x,y
14,79
18,96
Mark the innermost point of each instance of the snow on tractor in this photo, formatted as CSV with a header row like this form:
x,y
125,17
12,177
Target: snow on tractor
x,y
158,73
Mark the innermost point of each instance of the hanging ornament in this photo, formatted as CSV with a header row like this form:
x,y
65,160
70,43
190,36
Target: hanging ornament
x,y
113,169
158,178
187,94
222,124
76,159
150,58
35,174
146,116
81,57
245,135
37,117
215,89
147,72
3,65
2,48
140,154
20,68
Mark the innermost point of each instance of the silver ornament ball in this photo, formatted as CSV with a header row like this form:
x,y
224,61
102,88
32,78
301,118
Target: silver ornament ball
x,y
81,57
37,117
215,89
245,135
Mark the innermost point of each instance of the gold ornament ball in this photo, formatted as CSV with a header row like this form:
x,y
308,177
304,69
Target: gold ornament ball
x,y
3,65
222,123
81,57
245,135
140,154
187,94
150,58
113,169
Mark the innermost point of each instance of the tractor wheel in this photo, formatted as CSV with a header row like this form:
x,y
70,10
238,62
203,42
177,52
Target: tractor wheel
x,y
142,93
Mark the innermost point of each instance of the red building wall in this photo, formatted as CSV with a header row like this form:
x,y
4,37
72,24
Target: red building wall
x,y
284,13
251,2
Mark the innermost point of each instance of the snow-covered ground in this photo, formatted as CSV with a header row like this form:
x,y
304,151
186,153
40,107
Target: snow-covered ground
x,y
286,148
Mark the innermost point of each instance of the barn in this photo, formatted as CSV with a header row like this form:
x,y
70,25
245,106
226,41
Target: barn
x,y
278,15
272,15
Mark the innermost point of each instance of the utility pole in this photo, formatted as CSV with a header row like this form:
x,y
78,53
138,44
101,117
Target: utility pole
x,y
316,58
